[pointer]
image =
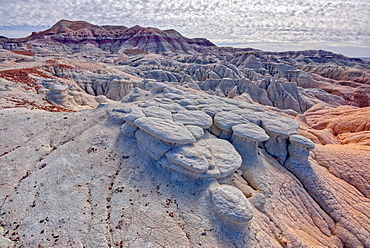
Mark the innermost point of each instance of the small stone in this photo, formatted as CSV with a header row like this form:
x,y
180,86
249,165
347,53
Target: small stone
x,y
231,205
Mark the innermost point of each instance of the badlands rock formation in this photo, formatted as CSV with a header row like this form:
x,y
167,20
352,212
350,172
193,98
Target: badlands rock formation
x,y
132,180
83,36
137,137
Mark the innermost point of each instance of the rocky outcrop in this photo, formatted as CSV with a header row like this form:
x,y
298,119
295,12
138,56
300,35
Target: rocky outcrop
x,y
58,94
114,87
109,166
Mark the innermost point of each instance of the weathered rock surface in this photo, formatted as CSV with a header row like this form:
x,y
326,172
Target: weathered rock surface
x,y
166,130
231,205
195,118
92,179
170,165
341,125
192,157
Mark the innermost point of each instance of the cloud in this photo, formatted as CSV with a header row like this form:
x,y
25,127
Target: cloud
x,y
222,21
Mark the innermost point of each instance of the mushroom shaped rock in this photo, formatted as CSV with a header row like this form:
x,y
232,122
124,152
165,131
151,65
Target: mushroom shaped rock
x,y
300,147
134,114
165,130
196,118
192,157
196,131
231,205
279,129
246,137
226,120
151,146
301,141
250,131
224,156
158,112
280,125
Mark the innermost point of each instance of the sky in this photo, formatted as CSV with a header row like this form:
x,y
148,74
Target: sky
x,y
341,26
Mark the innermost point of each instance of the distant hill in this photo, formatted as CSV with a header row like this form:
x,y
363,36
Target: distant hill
x,y
75,34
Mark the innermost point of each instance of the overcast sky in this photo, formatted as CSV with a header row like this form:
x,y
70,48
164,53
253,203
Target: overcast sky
x,y
338,25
